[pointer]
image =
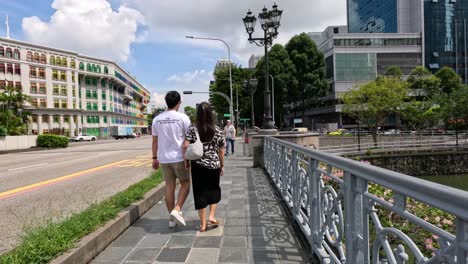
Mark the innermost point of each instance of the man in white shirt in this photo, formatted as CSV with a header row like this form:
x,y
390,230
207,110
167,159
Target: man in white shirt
x,y
168,130
230,135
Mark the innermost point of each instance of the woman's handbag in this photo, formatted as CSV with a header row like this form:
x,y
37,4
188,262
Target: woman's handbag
x,y
194,150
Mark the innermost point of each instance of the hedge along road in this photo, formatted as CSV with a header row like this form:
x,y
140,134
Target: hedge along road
x,y
49,185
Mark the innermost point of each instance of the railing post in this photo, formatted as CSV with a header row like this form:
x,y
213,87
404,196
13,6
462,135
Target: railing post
x,y
462,241
356,220
295,184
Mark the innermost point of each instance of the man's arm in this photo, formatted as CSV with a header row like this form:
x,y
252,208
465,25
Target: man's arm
x,y
154,148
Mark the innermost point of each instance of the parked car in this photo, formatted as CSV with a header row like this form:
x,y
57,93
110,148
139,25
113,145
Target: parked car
x,y
300,129
392,132
83,137
338,132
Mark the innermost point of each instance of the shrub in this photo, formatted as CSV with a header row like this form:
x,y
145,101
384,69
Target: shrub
x,y
52,141
3,131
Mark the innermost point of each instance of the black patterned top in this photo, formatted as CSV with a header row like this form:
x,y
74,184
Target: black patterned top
x,y
210,157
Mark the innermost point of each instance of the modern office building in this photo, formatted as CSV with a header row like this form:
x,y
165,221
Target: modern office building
x,y
385,16
253,60
445,34
356,58
72,93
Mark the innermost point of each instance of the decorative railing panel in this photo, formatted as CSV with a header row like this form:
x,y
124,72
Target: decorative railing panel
x,y
353,212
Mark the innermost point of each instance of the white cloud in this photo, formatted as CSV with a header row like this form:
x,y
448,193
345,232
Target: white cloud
x,y
90,27
171,22
190,77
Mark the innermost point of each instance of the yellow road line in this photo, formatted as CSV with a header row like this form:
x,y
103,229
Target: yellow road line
x,y
55,180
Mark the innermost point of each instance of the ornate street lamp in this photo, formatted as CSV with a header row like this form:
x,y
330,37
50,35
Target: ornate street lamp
x,y
270,22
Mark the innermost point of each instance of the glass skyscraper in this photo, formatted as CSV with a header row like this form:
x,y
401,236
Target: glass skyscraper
x,y
445,30
372,16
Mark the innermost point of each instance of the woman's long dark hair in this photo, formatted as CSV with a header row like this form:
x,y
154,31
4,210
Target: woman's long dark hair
x,y
205,122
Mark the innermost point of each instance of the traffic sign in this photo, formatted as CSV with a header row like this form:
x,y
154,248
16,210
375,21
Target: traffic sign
x,y
227,115
245,119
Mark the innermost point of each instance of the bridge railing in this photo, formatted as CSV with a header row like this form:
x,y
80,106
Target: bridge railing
x,y
353,212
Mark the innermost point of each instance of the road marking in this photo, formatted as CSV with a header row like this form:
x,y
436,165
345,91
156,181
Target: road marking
x,y
4,195
37,165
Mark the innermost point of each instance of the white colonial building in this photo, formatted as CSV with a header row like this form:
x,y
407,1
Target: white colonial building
x,y
71,93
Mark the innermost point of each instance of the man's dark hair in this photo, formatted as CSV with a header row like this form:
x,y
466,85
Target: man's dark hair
x,y
172,99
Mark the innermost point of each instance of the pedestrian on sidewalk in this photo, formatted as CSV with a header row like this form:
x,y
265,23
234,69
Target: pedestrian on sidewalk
x,y
230,135
168,130
206,171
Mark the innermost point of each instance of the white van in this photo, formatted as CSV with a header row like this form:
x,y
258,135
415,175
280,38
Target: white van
x,y
300,129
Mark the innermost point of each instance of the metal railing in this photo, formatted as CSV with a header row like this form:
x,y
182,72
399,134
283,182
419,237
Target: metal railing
x,y
412,143
331,201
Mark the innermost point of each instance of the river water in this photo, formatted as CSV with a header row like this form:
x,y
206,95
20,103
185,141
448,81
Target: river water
x,y
456,181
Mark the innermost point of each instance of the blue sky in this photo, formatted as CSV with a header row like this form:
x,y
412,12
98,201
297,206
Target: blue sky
x,y
147,37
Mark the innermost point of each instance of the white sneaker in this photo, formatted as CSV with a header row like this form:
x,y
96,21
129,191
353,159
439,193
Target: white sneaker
x,y
172,223
178,217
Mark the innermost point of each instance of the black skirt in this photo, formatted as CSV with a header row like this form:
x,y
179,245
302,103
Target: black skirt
x,y
205,183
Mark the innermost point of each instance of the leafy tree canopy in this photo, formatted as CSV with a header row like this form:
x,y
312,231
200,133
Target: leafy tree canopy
x,y
449,79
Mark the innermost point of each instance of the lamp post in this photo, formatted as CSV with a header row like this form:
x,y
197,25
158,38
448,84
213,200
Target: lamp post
x,y
270,21
231,110
273,98
253,87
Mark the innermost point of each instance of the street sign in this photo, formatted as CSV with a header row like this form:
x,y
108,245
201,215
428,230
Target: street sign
x,y
245,119
297,120
227,115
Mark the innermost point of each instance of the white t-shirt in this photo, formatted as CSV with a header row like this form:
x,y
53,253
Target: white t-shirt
x,y
170,127
230,131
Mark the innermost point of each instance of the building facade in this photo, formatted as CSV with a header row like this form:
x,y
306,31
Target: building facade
x,y
445,35
71,93
253,60
357,58
385,16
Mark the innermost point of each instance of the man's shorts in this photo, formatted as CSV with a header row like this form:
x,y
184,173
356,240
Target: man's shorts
x,y
173,171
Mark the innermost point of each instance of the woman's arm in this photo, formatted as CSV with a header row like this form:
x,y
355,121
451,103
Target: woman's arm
x,y
184,149
221,159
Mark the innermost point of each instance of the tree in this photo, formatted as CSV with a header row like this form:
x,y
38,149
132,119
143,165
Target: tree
x,y
12,116
394,71
449,79
423,84
191,112
455,107
371,103
283,71
310,84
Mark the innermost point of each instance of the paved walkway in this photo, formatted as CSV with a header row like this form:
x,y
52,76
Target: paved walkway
x,y
254,228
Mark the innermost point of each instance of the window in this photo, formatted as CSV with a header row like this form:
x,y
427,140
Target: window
x,y
73,91
56,118
74,105
56,104
10,68
42,88
95,81
2,84
94,94
63,75
9,53
73,76
106,70
16,54
95,108
64,104
88,94
34,119
88,81
43,103
33,88
81,66
56,89
17,69
2,67
58,61
94,68
54,75
88,67
34,102
43,58
98,68
104,107
103,95
104,119
88,106
37,58
72,63
2,51
18,86
66,119
64,62
52,59
63,90
29,56
42,73
33,72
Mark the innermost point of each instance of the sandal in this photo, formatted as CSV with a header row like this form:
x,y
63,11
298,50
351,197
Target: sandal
x,y
201,230
215,222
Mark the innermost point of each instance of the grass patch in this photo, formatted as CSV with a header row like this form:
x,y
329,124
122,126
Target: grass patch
x,y
43,244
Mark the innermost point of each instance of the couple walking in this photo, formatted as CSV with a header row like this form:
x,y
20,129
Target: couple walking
x,y
172,134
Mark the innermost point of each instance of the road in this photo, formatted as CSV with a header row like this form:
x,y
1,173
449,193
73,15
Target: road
x,y
40,186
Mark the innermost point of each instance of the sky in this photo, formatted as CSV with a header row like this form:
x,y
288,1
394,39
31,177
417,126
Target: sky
x,y
147,37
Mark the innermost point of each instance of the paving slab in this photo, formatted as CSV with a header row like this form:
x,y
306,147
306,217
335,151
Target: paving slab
x,y
253,228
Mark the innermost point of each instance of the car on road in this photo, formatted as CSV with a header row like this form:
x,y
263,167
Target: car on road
x,y
299,129
356,132
392,132
338,132
83,137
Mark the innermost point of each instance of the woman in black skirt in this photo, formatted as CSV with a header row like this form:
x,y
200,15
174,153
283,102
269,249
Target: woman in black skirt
x,y
207,170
